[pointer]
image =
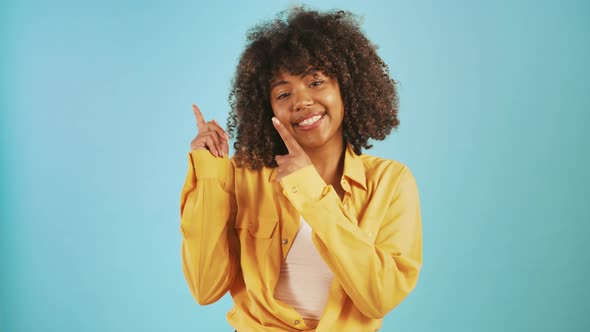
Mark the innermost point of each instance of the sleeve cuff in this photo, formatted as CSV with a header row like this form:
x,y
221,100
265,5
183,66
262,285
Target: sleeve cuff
x,y
207,166
303,186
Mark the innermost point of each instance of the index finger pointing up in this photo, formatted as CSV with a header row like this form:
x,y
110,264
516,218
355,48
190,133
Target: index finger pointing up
x,y
290,142
201,123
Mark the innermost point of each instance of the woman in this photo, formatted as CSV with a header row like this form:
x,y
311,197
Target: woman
x,y
305,231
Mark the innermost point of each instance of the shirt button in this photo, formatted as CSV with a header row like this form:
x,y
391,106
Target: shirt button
x,y
294,190
285,241
296,322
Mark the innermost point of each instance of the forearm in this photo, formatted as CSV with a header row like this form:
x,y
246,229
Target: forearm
x,y
376,264
208,254
375,277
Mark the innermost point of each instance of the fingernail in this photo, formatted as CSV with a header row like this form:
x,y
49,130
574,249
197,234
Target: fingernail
x,y
276,121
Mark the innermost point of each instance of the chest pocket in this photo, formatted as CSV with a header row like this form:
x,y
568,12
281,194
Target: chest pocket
x,y
256,237
257,227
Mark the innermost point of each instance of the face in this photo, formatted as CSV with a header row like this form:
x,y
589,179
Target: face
x,y
310,107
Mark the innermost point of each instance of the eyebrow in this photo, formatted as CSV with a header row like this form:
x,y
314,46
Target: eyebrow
x,y
315,72
275,84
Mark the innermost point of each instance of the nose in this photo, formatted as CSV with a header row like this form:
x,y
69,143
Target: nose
x,y
301,101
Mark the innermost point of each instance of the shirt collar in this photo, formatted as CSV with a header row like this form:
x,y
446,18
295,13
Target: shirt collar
x,y
354,168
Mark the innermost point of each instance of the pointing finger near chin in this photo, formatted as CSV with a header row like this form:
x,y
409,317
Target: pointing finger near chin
x,y
290,143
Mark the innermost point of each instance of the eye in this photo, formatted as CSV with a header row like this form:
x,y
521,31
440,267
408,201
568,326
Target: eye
x,y
316,83
283,95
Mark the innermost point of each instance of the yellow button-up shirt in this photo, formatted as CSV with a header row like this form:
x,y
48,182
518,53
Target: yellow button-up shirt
x,y
238,225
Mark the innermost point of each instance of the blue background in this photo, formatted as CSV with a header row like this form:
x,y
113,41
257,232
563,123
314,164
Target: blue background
x,y
96,121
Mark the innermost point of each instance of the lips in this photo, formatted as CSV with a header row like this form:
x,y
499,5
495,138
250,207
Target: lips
x,y
309,120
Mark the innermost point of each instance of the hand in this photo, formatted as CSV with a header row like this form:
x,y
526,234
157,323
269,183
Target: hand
x,y
296,159
210,136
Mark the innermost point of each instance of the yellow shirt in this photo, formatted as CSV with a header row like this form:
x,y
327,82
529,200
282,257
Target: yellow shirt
x,y
238,226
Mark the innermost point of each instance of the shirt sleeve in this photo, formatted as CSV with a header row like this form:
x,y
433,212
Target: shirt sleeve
x,y
376,272
210,247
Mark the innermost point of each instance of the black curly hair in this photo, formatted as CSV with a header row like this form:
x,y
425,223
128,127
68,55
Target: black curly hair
x,y
299,39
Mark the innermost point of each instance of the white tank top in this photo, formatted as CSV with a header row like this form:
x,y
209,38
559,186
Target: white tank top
x,y
305,279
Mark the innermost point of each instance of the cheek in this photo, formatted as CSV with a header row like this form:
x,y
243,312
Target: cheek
x,y
281,113
334,101
277,110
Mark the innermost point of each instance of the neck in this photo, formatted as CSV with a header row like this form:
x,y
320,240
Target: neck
x,y
329,161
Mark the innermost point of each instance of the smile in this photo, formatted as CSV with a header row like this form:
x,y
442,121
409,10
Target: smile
x,y
311,122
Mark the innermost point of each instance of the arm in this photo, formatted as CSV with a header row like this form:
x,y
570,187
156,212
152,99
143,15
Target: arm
x,y
377,273
210,247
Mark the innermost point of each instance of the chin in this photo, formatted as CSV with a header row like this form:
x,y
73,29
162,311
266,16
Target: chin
x,y
313,144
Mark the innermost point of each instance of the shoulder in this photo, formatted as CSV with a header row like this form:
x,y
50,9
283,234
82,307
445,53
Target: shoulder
x,y
385,171
381,166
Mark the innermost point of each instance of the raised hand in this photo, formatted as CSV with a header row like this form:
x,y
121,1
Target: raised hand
x,y
210,136
296,159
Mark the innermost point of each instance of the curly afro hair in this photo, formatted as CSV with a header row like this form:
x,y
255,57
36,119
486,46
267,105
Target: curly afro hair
x,y
299,39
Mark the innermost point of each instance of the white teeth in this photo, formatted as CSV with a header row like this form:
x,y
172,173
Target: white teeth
x,y
310,121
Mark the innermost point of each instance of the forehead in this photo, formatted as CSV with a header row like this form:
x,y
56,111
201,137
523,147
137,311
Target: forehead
x,y
285,75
